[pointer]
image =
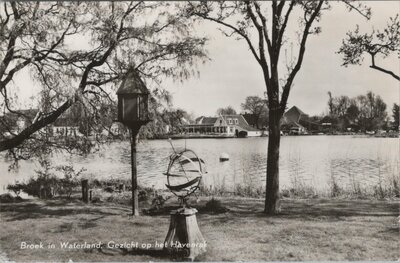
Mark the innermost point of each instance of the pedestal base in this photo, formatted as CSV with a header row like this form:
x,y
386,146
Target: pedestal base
x,y
184,237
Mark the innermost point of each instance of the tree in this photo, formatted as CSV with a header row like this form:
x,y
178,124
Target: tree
x,y
40,36
372,111
331,104
352,111
396,116
229,110
264,30
255,105
367,111
378,43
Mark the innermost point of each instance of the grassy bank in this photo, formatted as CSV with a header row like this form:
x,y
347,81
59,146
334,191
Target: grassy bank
x,y
308,229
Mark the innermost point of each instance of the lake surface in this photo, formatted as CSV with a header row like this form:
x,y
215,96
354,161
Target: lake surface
x,y
307,160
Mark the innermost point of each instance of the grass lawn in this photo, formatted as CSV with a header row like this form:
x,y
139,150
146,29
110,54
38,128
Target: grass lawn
x,y
311,229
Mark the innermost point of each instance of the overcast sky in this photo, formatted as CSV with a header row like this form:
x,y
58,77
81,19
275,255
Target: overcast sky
x,y
233,73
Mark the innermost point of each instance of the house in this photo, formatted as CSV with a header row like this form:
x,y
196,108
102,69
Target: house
x,y
294,121
224,125
64,126
203,125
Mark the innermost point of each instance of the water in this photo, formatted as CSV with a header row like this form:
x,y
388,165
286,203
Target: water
x,y
309,160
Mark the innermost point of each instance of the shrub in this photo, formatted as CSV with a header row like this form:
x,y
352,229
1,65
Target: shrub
x,y
16,188
6,198
70,180
46,184
249,191
215,206
158,202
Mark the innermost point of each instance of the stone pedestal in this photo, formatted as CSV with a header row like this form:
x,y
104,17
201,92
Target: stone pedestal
x,y
184,238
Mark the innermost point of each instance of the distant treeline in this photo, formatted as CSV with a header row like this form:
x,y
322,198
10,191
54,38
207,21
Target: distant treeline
x,y
361,113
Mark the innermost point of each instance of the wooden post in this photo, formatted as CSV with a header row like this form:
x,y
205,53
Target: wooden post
x,y
184,237
90,195
135,201
85,189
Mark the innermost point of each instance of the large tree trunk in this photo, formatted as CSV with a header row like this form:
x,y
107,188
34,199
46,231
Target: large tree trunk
x,y
272,205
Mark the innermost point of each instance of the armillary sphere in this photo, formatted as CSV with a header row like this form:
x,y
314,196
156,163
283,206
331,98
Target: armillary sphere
x,y
184,174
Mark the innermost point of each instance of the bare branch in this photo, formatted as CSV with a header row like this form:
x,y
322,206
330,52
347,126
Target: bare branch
x,y
302,49
236,30
374,66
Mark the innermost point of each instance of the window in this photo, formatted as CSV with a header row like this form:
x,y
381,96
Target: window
x,y
230,121
231,129
236,121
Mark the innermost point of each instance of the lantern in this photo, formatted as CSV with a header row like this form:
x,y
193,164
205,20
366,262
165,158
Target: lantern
x,y
133,99
133,112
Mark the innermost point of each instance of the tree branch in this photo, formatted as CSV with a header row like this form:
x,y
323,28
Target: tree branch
x,y
374,66
34,127
242,34
289,82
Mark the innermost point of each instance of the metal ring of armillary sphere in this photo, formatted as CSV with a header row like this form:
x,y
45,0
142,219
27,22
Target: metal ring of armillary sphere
x,y
184,174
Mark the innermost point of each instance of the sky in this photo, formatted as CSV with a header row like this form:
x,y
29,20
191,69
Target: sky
x,y
232,73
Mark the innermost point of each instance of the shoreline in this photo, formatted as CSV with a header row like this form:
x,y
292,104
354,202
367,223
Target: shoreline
x,y
206,136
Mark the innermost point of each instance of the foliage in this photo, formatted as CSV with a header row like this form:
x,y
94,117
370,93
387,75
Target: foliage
x,y
8,198
165,118
336,190
249,191
45,180
215,206
364,112
229,110
377,43
158,202
48,181
41,37
263,27
396,116
16,188
257,107
66,185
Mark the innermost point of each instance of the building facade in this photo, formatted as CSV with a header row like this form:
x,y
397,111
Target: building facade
x,y
224,126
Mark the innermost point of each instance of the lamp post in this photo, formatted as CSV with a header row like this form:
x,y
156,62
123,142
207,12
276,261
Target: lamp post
x,y
133,112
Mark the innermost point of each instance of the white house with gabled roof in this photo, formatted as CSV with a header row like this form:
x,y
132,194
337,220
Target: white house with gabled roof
x,y
225,125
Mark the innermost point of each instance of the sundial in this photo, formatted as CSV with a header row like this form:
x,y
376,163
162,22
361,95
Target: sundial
x,y
184,174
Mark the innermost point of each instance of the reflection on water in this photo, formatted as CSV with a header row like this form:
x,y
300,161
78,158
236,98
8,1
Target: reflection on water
x,y
310,160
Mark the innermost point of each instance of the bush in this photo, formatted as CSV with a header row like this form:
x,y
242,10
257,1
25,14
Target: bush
x,y
46,184
109,189
6,198
301,191
215,206
16,188
249,191
158,202
70,180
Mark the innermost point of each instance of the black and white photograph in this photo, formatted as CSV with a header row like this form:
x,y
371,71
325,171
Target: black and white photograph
x,y
209,131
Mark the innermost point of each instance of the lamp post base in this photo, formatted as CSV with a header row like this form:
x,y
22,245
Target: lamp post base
x,y
135,198
184,237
